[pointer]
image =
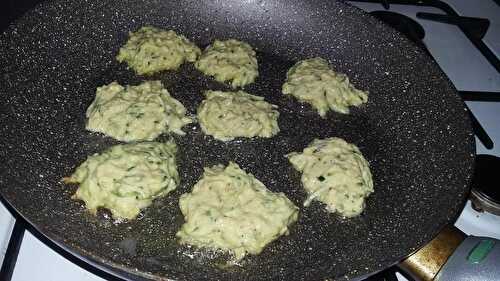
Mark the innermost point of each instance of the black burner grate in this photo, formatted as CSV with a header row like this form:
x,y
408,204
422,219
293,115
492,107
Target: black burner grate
x,y
466,24
473,28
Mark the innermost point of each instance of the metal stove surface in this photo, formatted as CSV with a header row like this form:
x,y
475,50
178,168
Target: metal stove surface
x,y
458,57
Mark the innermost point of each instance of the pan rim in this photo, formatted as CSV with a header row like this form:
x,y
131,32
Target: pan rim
x,y
80,251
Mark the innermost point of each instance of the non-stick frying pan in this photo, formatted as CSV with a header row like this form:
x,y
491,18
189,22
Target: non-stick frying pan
x,y
414,131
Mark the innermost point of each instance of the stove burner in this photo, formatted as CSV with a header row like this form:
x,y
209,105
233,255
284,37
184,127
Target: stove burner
x,y
477,27
447,9
485,195
406,25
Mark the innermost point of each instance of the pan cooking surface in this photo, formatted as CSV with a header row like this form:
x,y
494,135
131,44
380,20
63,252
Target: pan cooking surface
x,y
414,131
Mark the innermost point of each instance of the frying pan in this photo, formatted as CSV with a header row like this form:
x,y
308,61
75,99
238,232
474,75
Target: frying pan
x,y
414,131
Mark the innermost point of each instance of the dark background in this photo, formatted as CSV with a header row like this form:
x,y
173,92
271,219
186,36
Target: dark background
x,y
12,9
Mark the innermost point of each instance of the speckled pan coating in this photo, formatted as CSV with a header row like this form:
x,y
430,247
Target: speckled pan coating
x,y
414,131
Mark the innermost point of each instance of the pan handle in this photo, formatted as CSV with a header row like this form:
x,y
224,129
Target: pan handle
x,y
425,263
453,256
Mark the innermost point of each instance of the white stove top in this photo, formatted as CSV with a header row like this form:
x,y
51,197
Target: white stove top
x,y
462,62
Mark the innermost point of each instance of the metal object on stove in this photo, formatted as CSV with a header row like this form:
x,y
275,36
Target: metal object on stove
x,y
414,31
485,194
453,15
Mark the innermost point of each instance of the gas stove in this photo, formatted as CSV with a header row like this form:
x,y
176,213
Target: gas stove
x,y
462,36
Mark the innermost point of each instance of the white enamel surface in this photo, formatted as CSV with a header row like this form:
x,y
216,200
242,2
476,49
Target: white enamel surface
x,y
478,224
456,55
488,114
37,262
6,225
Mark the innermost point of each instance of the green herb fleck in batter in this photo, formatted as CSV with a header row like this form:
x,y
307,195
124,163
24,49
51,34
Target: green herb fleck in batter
x,y
335,173
150,49
313,81
135,113
126,178
230,210
226,115
229,61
